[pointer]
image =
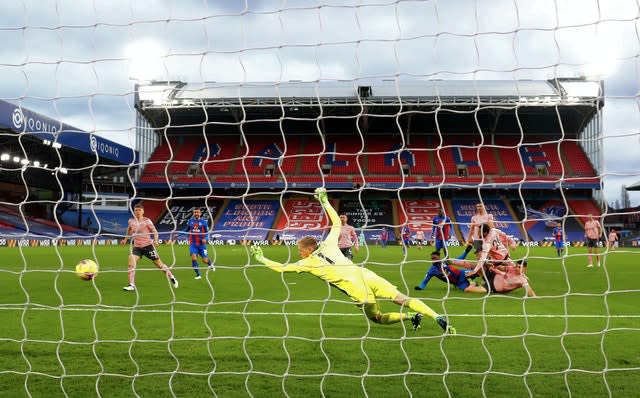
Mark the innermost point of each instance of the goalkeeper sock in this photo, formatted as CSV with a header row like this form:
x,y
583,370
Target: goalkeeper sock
x,y
419,306
391,317
194,264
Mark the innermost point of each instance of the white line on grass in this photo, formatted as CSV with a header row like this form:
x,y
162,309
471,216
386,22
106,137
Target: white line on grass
x,y
337,314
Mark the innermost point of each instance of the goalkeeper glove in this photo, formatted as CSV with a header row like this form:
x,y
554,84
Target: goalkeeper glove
x,y
321,195
256,252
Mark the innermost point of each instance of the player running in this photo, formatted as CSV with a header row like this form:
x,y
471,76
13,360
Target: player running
x,y
348,240
447,272
558,239
326,261
420,238
405,233
613,239
140,229
441,231
198,230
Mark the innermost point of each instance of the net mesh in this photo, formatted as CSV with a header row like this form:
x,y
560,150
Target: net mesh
x,y
399,108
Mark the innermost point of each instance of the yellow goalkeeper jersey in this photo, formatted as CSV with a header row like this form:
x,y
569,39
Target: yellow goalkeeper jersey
x,y
329,264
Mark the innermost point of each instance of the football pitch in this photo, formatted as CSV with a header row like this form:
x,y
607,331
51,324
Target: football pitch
x,y
245,330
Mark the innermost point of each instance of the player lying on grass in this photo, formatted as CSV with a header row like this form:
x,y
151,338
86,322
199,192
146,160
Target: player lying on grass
x,y
326,261
507,278
447,272
494,263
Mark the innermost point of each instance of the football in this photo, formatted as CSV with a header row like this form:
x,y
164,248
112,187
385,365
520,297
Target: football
x,y
87,269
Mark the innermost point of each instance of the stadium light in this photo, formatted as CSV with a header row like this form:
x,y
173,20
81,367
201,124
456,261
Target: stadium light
x,y
16,159
56,145
4,157
145,60
24,162
36,163
46,142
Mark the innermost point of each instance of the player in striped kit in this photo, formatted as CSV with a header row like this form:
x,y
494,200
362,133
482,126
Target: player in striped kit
x,y
198,230
139,230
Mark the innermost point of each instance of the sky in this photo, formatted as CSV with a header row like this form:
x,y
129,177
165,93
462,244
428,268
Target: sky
x,y
77,61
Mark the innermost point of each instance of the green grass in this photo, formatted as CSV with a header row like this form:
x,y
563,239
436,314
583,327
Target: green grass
x,y
246,330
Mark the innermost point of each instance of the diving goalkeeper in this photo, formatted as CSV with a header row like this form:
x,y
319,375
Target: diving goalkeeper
x,y
326,261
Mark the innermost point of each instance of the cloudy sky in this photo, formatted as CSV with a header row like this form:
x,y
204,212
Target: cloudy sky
x,y
74,60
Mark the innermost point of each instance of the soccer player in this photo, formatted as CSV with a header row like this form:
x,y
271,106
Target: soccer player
x,y
140,229
406,238
362,240
592,232
420,238
348,238
494,248
558,238
447,272
613,239
504,279
384,237
474,239
198,230
326,261
441,231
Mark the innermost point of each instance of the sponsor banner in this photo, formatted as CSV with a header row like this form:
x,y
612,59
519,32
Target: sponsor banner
x,y
419,214
375,213
301,217
245,220
176,220
48,242
542,217
22,120
465,209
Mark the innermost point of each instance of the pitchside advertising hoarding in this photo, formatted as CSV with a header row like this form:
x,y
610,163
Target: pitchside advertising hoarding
x,y
465,209
22,120
301,217
173,224
419,214
245,220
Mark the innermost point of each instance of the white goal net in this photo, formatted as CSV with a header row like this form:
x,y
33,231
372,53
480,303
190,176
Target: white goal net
x,y
413,115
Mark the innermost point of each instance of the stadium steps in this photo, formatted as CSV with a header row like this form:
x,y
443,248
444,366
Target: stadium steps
x,y
514,216
581,208
431,159
496,154
564,158
448,210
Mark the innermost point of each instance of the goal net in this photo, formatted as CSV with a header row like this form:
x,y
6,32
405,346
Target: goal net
x,y
121,118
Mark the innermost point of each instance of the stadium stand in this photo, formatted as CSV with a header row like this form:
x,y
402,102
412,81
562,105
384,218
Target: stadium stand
x,y
341,158
577,159
583,207
11,219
